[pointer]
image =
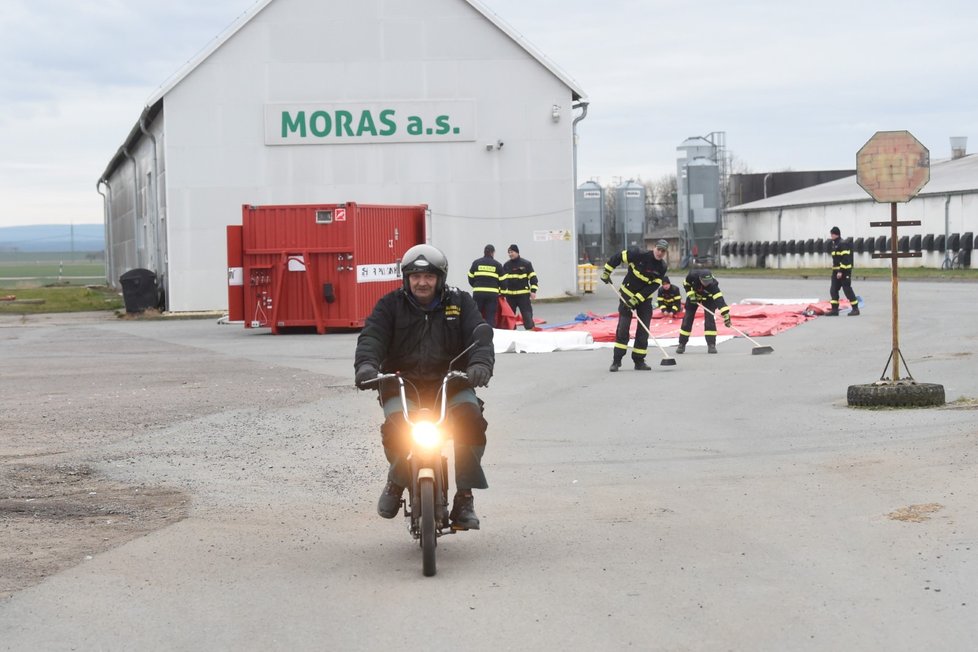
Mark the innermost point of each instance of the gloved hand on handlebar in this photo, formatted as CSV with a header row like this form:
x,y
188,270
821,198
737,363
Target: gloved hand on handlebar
x,y
364,373
479,375
726,321
606,277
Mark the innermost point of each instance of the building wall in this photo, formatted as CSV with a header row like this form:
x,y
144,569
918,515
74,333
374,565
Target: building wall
x,y
136,211
307,52
803,223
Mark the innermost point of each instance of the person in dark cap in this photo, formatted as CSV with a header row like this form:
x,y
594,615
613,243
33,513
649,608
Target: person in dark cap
x,y
702,287
645,272
841,274
670,300
484,277
519,285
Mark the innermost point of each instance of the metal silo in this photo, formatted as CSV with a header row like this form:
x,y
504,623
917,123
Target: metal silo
x,y
590,222
699,182
630,215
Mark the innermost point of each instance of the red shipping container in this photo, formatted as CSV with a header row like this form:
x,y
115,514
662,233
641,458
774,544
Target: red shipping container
x,y
317,265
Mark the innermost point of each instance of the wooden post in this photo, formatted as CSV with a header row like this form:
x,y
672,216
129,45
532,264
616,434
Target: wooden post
x,y
895,292
893,254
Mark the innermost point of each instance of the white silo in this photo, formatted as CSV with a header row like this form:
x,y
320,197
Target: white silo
x,y
699,197
590,222
629,216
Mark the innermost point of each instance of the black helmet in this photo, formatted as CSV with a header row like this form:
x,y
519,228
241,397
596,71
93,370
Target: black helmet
x,y
424,258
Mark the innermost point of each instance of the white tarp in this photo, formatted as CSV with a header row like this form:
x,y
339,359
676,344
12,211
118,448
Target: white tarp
x,y
777,302
506,341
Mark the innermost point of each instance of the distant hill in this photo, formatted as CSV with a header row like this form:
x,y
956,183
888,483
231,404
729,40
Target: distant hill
x,y
53,237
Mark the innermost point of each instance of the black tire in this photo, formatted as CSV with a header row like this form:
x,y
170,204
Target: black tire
x,y
427,490
897,395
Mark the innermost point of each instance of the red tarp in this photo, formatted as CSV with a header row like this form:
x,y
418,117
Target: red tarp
x,y
755,320
506,319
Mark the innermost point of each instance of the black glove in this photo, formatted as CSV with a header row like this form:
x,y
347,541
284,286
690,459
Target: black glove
x,y
606,277
364,373
479,375
726,321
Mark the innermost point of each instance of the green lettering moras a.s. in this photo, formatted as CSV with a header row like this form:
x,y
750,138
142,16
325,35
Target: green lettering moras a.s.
x,y
340,124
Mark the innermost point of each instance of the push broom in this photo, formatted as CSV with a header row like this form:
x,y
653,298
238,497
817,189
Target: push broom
x,y
759,349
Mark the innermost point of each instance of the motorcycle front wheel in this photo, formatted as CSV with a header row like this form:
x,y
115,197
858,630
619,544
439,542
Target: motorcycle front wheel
x,y
426,487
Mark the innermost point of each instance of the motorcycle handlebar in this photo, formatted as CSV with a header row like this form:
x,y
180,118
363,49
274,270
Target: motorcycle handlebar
x,y
402,382
397,374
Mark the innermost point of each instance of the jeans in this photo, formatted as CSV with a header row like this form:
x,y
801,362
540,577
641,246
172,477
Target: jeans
x,y
467,427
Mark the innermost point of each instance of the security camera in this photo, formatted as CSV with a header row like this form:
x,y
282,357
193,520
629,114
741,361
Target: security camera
x,y
499,144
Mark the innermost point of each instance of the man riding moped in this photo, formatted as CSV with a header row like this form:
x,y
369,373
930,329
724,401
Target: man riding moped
x,y
416,331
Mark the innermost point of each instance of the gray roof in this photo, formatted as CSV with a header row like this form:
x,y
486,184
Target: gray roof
x,y
154,103
243,19
947,177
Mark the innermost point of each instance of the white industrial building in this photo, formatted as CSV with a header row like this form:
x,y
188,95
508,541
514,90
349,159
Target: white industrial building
x,y
433,102
790,230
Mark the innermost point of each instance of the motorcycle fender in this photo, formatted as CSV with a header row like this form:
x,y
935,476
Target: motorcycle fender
x,y
426,473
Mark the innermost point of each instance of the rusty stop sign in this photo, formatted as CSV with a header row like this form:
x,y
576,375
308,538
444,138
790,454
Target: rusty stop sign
x,y
892,166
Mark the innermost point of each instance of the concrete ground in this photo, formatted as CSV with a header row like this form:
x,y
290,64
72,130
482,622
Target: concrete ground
x,y
730,502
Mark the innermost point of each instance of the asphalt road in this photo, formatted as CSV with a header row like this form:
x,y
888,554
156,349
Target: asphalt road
x,y
732,502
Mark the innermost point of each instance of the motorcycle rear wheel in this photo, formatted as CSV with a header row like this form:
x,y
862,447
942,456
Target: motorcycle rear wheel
x,y
426,487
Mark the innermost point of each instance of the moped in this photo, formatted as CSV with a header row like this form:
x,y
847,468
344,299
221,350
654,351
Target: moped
x,y
427,505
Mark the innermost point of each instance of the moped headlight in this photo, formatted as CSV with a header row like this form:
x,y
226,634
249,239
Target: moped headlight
x,y
426,434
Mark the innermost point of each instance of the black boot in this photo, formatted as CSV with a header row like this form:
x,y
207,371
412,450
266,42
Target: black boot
x,y
640,365
711,348
854,312
833,313
463,512
681,348
390,500
615,365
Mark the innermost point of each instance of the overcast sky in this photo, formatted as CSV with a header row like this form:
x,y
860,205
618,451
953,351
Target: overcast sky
x,y
794,85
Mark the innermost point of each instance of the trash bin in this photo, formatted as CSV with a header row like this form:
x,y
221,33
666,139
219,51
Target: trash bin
x,y
140,290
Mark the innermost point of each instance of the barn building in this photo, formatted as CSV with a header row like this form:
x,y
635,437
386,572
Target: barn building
x,y
437,102
791,230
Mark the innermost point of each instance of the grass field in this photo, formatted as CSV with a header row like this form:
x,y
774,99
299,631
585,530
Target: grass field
x,y
42,282
37,269
31,301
